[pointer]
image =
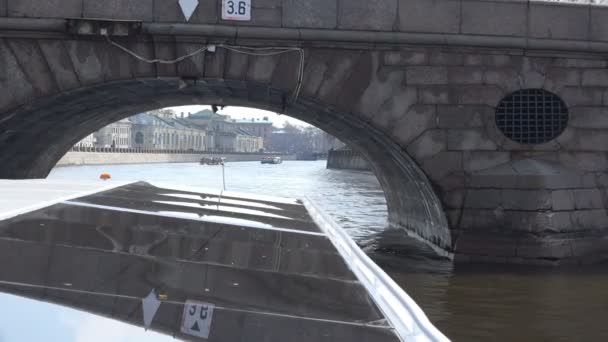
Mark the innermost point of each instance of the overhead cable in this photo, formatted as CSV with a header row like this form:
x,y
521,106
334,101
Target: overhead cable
x,y
246,50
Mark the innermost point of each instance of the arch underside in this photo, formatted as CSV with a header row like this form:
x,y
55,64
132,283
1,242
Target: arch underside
x,y
37,135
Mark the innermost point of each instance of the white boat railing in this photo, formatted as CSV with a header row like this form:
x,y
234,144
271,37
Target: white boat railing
x,y
402,312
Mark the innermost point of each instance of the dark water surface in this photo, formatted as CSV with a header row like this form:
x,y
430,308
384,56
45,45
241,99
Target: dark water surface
x,y
468,303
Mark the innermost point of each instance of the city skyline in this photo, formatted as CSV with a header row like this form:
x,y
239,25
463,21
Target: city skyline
x,y
237,113
170,130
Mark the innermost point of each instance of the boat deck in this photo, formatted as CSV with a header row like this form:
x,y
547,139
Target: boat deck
x,y
264,265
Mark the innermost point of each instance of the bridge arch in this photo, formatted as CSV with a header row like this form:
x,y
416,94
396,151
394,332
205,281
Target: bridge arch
x,y
63,119
423,114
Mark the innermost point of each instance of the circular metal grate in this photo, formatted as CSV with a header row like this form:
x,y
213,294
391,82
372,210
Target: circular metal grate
x,y
532,116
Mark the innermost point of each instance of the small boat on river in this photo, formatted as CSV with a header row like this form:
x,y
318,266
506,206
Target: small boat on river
x,y
212,161
272,160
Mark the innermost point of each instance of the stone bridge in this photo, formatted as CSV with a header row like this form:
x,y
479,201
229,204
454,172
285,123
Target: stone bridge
x,y
486,122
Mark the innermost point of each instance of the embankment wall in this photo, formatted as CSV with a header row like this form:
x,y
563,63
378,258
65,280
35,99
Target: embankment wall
x,y
99,158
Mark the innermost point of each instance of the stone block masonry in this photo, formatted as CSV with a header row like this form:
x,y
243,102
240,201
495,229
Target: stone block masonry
x,y
545,208
347,160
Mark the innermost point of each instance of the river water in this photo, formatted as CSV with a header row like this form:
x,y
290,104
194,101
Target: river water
x,y
468,303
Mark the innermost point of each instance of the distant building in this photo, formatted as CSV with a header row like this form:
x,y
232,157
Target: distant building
x,y
247,142
115,135
259,128
212,121
202,131
228,134
295,139
160,131
88,141
167,133
163,113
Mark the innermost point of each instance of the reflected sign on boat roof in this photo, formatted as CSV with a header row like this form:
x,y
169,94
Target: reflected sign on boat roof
x,y
196,320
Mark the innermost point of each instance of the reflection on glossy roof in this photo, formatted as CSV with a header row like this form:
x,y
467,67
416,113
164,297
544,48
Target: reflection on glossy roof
x,y
280,279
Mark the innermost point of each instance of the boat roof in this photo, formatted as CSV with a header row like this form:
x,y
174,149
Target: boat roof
x,y
272,269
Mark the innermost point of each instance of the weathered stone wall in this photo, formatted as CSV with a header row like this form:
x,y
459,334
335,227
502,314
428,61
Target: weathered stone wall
x,y
435,104
505,201
482,18
100,158
347,160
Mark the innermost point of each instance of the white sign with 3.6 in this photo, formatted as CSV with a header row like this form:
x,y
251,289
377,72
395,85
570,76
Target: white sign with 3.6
x,y
236,10
196,320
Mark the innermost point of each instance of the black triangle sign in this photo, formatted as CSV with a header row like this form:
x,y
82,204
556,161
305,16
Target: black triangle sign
x,y
195,327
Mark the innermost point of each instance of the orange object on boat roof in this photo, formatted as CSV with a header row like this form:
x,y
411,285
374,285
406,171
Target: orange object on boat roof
x,y
105,176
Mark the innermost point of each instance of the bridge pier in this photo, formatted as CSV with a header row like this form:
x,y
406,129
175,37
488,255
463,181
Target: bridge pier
x,y
531,211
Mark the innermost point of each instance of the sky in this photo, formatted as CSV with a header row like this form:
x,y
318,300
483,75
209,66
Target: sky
x,y
30,320
244,113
